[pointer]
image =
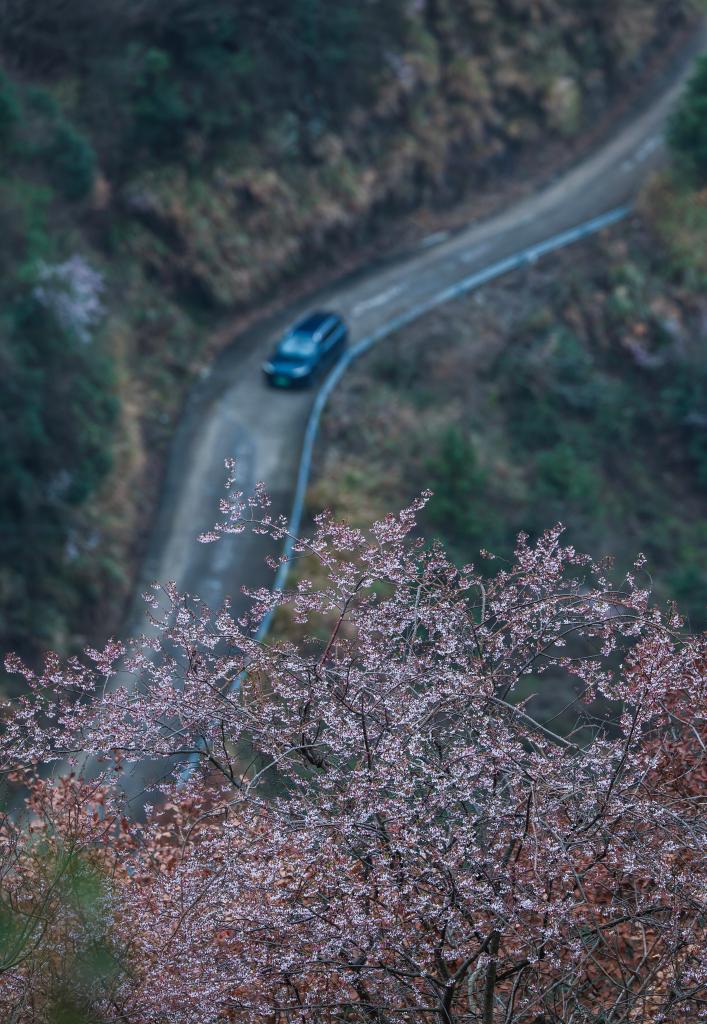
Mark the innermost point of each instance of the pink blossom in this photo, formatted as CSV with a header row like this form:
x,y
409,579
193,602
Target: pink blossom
x,y
374,825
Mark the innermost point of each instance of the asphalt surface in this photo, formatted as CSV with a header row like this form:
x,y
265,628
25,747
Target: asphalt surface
x,y
231,413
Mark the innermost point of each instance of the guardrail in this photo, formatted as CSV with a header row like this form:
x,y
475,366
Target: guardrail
x,y
467,284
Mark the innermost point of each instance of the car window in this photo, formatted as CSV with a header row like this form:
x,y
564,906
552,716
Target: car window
x,y
297,346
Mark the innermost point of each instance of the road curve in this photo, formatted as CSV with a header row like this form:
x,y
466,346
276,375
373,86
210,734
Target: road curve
x,y
230,413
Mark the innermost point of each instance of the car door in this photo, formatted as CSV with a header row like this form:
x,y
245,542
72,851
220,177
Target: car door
x,y
342,336
327,343
339,338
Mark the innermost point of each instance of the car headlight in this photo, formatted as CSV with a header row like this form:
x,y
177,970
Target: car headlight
x,y
299,371
268,367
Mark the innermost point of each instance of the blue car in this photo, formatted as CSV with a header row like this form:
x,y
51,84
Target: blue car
x,y
311,345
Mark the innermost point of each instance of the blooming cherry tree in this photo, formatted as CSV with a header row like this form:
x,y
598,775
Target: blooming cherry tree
x,y
372,825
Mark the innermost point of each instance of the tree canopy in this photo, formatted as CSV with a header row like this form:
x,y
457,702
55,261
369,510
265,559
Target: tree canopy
x,y
372,826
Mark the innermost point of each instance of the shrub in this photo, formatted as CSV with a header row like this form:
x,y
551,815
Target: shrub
x,y
683,404
57,416
562,475
160,113
458,506
72,162
687,132
9,108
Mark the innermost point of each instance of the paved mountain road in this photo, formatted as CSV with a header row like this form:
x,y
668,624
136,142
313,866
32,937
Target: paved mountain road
x,y
231,413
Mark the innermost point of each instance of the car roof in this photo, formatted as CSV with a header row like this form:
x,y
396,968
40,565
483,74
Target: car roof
x,y
313,322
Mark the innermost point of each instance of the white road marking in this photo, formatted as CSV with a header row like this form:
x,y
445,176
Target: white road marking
x,y
648,147
642,153
438,236
378,300
474,252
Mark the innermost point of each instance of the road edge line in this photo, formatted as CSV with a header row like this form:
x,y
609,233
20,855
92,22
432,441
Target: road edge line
x,y
467,284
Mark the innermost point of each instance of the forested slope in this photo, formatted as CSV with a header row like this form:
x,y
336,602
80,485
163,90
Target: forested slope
x,y
162,164
574,391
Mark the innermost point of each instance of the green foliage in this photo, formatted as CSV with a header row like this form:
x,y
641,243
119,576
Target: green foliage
x,y
594,434
40,101
56,420
161,116
23,227
57,416
575,426
80,892
544,382
213,72
45,144
66,899
687,133
678,216
57,390
459,504
72,162
9,108
683,405
561,476
688,584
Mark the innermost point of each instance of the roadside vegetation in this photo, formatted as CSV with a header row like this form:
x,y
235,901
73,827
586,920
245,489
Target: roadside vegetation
x,y
442,792
575,393
161,167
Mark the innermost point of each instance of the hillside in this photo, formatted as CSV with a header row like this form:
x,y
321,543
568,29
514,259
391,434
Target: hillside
x,y
161,169
573,392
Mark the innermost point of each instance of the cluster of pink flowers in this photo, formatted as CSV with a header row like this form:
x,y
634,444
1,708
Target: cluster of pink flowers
x,y
375,826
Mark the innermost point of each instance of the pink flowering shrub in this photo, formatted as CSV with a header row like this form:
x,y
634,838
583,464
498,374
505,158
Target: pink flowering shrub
x,y
375,828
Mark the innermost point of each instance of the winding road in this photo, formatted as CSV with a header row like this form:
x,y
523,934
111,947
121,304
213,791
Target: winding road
x,y
231,413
